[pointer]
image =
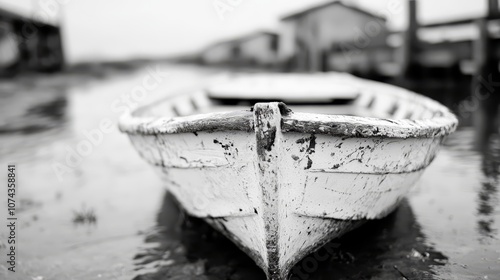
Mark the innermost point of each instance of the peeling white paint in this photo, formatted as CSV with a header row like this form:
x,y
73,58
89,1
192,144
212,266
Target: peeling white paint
x,y
279,183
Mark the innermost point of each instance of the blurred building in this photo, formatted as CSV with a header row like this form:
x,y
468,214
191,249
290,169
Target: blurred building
x,y
336,36
8,46
220,53
451,44
28,45
259,49
333,36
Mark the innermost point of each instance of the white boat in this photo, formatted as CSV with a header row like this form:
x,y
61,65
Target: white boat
x,y
280,181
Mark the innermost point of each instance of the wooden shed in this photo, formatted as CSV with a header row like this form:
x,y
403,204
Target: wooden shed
x,y
28,45
309,37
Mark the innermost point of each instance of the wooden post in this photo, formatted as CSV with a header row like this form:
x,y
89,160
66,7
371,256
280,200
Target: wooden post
x,y
22,45
314,48
493,8
410,47
314,56
325,61
485,88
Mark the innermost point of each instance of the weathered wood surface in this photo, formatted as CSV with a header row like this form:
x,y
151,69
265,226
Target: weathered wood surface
x,y
268,139
398,114
279,183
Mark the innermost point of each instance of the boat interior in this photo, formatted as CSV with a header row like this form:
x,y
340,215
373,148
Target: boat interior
x,y
329,94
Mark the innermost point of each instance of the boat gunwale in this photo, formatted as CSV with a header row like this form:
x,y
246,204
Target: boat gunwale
x,y
442,123
309,123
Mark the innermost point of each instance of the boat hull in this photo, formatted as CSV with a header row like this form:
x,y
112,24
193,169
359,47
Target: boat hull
x,y
279,194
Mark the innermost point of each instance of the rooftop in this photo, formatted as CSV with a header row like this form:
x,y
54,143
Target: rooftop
x,y
331,3
10,14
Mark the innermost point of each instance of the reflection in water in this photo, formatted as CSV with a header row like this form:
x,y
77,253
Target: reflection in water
x,y
31,121
188,248
35,114
54,109
84,216
489,188
391,248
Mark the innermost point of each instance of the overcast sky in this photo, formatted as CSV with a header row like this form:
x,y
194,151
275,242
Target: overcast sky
x,y
122,29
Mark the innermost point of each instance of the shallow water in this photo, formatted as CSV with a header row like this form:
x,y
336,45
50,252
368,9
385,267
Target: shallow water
x,y
105,215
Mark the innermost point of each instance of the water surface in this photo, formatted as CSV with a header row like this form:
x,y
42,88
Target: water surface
x,y
105,215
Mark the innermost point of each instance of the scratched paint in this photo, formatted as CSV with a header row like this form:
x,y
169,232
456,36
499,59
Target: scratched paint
x,y
448,228
378,107
304,179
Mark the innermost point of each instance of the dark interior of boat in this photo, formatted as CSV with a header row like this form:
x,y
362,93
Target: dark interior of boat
x,y
367,99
